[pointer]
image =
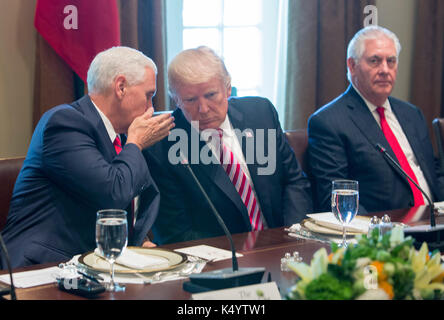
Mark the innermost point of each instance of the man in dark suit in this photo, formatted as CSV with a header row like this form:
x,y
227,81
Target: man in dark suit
x,y
259,184
344,133
78,163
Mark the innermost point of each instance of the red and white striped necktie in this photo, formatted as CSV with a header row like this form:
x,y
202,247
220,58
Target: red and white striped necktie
x,y
239,179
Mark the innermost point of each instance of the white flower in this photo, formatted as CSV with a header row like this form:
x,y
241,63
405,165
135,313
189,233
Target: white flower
x,y
397,236
373,294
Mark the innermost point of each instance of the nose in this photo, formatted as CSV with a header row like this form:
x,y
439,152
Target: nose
x,y
384,68
203,106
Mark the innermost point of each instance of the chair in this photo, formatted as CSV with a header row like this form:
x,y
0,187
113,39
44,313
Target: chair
x,y
9,170
438,129
298,141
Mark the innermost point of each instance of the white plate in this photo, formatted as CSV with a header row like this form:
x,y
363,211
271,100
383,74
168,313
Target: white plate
x,y
174,259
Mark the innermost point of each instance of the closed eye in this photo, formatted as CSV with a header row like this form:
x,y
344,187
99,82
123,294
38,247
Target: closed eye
x,y
210,95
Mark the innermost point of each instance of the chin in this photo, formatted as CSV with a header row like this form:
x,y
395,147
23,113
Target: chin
x,y
207,126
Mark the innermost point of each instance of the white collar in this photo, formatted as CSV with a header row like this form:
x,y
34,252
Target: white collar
x,y
371,106
226,127
108,125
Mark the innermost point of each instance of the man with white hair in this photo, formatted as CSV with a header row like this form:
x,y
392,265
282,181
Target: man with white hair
x,y
86,156
343,134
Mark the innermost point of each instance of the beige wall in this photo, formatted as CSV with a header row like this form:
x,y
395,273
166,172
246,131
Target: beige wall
x,y
17,57
399,17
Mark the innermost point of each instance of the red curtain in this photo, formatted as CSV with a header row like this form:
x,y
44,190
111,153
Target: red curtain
x,y
78,29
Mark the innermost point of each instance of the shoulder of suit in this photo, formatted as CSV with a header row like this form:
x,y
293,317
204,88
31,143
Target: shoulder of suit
x,y
333,106
401,103
248,99
250,104
68,114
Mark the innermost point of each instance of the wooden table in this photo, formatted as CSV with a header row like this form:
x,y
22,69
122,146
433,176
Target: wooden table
x,y
269,247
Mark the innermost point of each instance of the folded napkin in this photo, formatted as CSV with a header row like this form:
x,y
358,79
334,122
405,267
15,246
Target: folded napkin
x,y
134,260
327,219
439,206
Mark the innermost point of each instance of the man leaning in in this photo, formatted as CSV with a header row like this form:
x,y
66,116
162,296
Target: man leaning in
x,y
343,134
86,156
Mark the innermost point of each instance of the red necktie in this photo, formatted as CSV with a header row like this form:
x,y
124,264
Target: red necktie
x,y
240,182
118,147
117,144
402,159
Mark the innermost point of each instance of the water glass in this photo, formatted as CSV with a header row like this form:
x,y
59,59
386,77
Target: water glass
x,y
344,203
112,239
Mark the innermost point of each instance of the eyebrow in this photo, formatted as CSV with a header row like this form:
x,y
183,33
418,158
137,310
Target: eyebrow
x,y
380,57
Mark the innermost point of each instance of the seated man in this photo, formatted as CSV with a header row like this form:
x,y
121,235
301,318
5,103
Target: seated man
x,y
343,134
259,184
78,163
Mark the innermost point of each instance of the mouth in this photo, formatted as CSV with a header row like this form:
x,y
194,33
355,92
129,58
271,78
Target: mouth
x,y
383,83
206,121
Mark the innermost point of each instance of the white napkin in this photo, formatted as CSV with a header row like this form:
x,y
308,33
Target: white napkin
x,y
327,219
439,206
208,252
134,260
27,279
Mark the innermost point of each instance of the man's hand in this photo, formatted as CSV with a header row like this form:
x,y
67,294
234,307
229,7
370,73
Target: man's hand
x,y
148,244
146,130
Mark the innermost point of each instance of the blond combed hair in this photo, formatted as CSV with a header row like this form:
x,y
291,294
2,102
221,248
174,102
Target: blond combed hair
x,y
194,66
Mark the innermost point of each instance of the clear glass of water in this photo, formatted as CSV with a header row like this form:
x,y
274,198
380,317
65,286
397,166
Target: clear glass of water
x,y
111,239
344,203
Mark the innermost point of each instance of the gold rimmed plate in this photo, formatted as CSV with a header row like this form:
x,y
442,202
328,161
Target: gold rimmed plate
x,y
172,259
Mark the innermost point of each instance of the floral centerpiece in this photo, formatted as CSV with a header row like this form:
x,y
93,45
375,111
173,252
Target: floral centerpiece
x,y
376,268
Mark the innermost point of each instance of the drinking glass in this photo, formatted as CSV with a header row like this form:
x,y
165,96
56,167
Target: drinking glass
x,y
111,239
344,203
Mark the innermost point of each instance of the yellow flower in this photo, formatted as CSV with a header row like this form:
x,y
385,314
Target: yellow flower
x,y
426,269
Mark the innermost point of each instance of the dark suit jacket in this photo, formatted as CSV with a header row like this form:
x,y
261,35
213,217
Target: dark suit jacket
x,y
71,171
342,139
284,196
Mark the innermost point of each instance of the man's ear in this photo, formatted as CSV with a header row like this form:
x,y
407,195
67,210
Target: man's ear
x,y
120,85
351,64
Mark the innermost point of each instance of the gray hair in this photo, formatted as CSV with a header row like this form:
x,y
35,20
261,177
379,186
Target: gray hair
x,y
109,64
194,66
356,46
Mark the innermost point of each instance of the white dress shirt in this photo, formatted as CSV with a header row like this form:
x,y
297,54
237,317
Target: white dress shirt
x,y
402,140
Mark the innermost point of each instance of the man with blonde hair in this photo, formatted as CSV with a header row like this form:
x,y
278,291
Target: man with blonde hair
x,y
343,135
235,147
86,156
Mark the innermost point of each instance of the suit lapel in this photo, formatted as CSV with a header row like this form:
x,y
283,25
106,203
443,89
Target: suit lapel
x,y
411,132
86,106
409,129
365,122
214,172
239,121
